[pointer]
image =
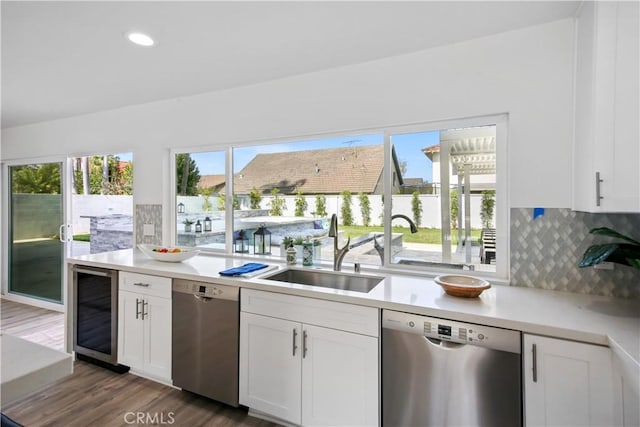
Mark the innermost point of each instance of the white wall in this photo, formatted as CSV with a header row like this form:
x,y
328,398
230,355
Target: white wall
x,y
526,73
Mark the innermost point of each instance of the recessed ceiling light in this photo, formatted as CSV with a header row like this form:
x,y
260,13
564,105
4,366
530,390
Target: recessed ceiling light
x,y
140,39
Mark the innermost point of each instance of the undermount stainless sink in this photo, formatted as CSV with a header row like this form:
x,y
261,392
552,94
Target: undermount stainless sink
x,y
327,279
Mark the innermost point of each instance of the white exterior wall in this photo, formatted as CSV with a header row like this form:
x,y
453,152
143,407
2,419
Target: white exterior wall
x,y
401,205
526,73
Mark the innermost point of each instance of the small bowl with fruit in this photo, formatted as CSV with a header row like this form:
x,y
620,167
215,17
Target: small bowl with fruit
x,y
168,253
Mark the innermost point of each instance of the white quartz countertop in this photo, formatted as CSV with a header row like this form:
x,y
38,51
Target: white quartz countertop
x,y
586,318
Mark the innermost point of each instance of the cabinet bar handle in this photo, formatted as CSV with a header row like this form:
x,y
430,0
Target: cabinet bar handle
x,y
295,335
144,285
137,305
534,350
598,196
304,344
145,303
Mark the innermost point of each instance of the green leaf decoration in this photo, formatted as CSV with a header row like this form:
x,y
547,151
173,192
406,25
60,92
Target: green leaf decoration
x,y
605,231
618,252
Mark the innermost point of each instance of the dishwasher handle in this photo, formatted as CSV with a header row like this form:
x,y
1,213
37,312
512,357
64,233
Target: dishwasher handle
x,y
443,343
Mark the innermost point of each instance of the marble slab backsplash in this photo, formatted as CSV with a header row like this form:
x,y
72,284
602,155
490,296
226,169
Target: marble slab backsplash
x,y
545,252
149,214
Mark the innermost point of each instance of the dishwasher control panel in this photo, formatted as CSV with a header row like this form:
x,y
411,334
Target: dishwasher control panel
x,y
207,290
452,331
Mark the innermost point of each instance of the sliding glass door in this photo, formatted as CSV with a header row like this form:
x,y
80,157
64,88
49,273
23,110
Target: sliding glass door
x,y
35,214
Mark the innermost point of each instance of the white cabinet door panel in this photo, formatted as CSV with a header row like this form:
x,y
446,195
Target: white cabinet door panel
x,y
130,330
572,385
339,378
157,333
270,372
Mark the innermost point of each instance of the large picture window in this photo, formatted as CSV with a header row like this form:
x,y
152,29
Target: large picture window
x,y
200,205
419,198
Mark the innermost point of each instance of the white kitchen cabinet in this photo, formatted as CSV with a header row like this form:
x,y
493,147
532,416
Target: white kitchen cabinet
x,y
567,383
270,374
626,385
606,163
144,324
295,366
339,378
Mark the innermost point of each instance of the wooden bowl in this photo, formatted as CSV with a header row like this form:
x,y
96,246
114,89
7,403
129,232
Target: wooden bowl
x,y
458,285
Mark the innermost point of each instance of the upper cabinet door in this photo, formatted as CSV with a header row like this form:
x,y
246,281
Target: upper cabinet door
x,y
606,164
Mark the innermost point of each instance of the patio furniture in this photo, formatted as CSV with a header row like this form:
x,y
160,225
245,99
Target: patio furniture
x,y
488,245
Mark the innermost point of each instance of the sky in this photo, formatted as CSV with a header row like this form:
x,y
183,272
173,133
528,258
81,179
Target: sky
x,y
408,149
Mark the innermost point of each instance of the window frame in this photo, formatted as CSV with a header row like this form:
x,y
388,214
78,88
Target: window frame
x,y
501,121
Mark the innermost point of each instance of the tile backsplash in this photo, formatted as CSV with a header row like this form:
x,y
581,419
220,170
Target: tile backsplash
x,y
545,252
149,214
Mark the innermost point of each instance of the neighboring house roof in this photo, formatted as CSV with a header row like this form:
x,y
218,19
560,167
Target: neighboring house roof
x,y
215,181
324,171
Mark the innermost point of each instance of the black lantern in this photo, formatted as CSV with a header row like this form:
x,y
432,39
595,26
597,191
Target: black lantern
x,y
262,241
198,227
207,224
241,243
180,207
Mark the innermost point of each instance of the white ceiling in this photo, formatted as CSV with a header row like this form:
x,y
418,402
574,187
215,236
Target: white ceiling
x,y
61,59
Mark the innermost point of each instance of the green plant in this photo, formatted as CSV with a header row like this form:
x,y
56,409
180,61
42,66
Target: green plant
x,y
301,204
618,252
453,196
187,222
255,197
345,209
416,207
287,241
365,209
36,179
321,205
187,175
486,207
206,194
222,202
277,203
298,241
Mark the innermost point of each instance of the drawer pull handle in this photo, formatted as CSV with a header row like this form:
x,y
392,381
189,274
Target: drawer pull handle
x,y
144,285
598,195
304,344
145,304
295,335
534,350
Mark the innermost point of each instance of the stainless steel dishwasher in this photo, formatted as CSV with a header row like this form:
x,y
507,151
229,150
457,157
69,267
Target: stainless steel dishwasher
x,y
206,322
438,372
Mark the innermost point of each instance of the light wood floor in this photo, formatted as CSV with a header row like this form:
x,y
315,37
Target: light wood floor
x,y
93,396
39,325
